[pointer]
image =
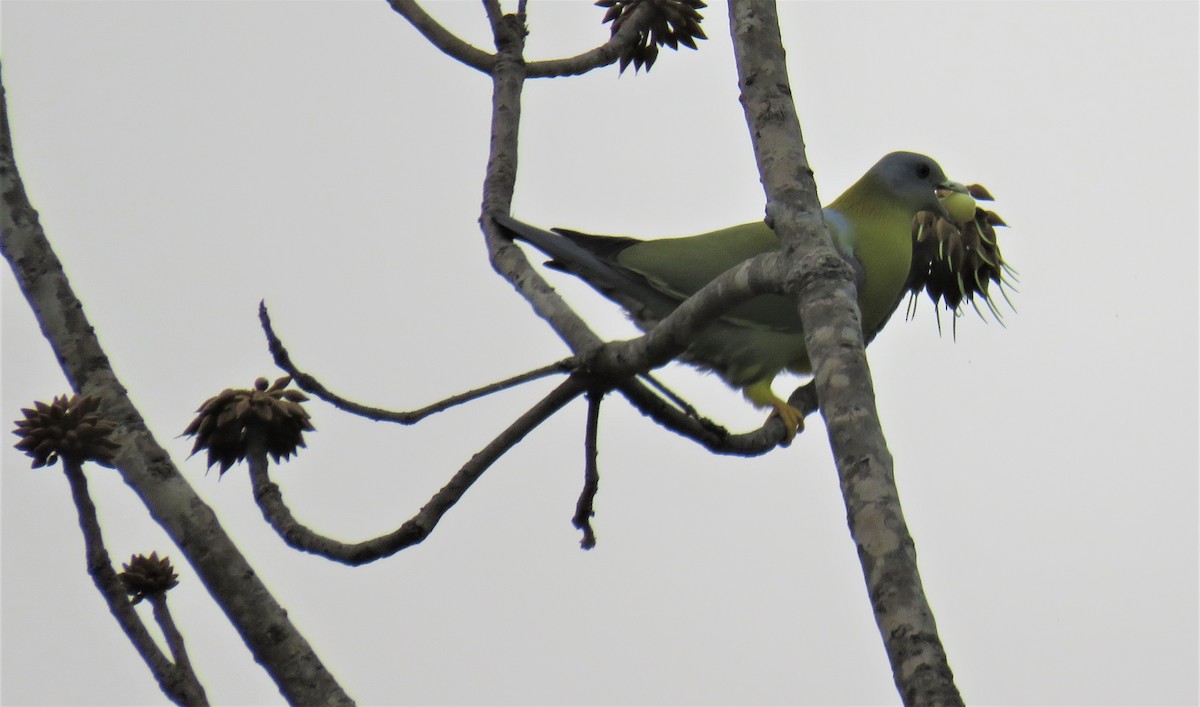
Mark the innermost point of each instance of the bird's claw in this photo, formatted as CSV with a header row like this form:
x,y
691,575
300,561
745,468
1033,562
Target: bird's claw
x,y
793,419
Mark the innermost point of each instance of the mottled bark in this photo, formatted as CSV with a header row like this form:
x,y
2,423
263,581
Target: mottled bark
x,y
824,287
263,624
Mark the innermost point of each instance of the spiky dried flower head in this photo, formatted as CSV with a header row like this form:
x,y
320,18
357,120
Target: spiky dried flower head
x,y
144,576
68,427
226,421
671,23
956,261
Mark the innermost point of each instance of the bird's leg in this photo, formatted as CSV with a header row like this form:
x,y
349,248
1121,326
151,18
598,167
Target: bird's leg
x,y
760,394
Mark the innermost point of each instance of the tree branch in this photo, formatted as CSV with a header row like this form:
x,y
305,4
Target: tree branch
x,y
476,58
144,464
494,13
603,55
585,507
759,275
509,261
416,529
177,681
442,38
162,615
184,677
833,335
310,384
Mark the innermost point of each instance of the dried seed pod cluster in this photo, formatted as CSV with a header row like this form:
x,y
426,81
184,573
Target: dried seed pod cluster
x,y
671,23
225,421
956,261
68,427
144,576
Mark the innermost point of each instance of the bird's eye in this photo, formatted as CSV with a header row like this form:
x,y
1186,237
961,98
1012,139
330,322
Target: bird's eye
x,y
923,171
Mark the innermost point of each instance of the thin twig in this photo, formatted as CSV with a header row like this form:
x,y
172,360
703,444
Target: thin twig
x,y
709,435
672,396
310,384
183,672
494,13
585,507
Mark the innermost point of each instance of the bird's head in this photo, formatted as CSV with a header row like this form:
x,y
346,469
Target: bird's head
x,y
915,179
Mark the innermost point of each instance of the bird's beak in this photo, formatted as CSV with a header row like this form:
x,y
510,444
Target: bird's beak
x,y
947,186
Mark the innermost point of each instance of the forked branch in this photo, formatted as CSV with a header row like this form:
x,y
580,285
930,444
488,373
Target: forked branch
x,y
177,679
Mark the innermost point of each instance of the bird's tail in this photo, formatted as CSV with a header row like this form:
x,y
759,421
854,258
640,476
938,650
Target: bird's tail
x,y
594,260
591,258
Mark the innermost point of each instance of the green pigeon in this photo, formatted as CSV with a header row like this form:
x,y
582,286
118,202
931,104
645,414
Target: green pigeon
x,y
872,228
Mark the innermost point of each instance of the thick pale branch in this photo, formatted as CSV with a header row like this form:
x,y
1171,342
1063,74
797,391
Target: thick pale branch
x,y
416,529
758,276
509,261
508,79
833,336
143,463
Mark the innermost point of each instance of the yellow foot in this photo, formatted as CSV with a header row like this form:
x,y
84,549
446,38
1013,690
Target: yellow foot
x,y
760,394
793,419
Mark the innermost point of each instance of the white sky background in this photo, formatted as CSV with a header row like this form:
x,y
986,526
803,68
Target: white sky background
x,y
189,159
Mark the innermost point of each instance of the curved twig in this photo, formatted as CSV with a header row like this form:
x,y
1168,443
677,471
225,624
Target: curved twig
x,y
476,58
674,398
709,435
297,535
603,55
442,38
311,385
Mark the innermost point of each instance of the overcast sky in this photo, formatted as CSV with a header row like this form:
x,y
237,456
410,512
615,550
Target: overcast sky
x,y
190,158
